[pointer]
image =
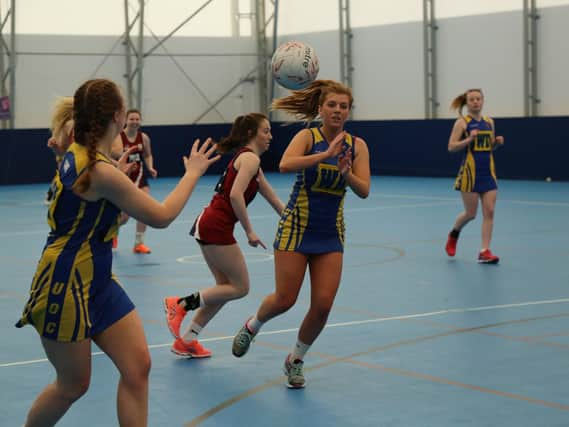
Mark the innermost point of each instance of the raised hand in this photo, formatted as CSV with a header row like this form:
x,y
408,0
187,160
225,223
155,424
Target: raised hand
x,y
345,161
201,158
123,164
336,146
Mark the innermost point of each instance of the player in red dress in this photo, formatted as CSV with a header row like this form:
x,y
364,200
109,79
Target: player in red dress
x,y
213,229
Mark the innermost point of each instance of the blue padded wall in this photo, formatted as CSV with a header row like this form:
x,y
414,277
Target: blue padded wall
x,y
535,148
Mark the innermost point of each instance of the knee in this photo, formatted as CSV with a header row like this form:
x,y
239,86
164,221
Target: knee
x,y
284,302
489,213
321,311
138,372
241,290
470,216
74,391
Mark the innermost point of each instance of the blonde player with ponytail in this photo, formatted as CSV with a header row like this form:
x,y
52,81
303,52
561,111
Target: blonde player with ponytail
x,y
74,298
61,134
474,135
310,234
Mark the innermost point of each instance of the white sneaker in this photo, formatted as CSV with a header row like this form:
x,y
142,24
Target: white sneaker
x,y
294,370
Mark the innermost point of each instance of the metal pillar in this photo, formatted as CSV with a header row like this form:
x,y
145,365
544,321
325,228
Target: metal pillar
x,y
134,48
262,55
275,17
531,98
430,58
8,68
346,35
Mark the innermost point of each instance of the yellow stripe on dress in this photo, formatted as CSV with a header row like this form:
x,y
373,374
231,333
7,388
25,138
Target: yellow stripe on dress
x,y
340,228
78,289
53,204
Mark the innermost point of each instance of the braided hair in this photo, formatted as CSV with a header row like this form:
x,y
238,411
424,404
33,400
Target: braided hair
x,y
94,106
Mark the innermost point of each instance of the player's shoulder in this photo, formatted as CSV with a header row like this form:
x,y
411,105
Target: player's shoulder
x,y
461,122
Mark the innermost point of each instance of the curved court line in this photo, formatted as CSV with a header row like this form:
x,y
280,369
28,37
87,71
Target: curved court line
x,y
251,257
351,323
399,253
350,359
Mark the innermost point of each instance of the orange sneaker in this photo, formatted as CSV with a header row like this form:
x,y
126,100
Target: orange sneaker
x,y
141,248
192,349
115,242
174,315
450,247
487,257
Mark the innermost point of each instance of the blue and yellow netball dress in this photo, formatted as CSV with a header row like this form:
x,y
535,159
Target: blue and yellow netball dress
x,y
477,173
74,295
313,220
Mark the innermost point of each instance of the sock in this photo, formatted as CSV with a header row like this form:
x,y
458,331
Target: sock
x,y
139,239
192,332
454,233
191,302
254,324
299,351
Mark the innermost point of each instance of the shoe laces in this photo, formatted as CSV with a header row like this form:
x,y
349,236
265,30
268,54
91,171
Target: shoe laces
x,y
173,312
295,369
244,337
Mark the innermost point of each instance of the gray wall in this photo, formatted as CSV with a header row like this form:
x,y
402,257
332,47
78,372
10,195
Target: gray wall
x,y
476,51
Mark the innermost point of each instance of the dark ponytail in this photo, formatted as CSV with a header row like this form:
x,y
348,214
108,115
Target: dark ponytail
x,y
244,129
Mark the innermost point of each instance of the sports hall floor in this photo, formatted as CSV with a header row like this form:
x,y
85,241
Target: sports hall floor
x,y
414,339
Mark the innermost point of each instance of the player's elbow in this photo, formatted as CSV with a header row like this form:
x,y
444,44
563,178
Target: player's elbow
x,y
284,167
364,193
454,146
160,220
236,197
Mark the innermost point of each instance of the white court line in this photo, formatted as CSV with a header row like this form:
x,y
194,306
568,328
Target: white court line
x,y
342,324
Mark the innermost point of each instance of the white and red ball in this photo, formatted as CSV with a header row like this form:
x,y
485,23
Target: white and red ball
x,y
294,65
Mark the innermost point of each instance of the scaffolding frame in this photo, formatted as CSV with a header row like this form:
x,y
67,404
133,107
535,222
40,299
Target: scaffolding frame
x,y
133,41
134,48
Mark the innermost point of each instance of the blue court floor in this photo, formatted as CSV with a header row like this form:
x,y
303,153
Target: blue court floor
x,y
414,339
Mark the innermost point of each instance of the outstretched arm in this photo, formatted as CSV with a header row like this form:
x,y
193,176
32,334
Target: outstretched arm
x,y
111,184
